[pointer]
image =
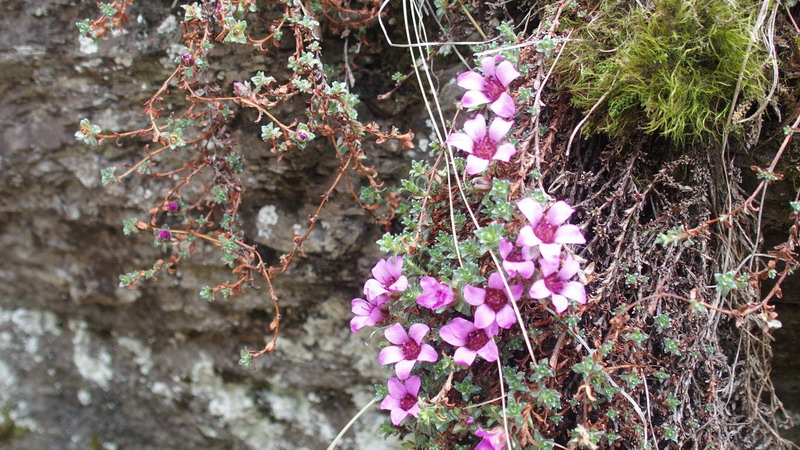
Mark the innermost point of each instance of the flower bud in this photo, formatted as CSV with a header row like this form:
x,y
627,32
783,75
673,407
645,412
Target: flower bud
x,y
187,60
164,235
482,184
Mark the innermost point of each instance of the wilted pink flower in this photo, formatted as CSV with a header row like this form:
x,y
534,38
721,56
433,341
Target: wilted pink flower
x,y
407,349
164,235
368,312
388,278
470,340
547,231
493,439
402,399
483,148
494,310
491,87
556,284
241,89
435,294
517,259
187,60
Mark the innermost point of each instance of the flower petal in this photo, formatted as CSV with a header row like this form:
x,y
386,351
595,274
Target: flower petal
x,y
569,234
516,290
539,290
381,272
474,98
460,141
358,322
531,209
568,268
361,307
550,252
396,334
398,415
455,333
487,65
427,354
559,213
506,73
377,316
412,386
390,402
414,410
503,106
464,356
400,285
560,303
574,290
476,128
548,266
471,81
496,281
428,283
403,368
504,152
476,165
473,295
418,332
390,355
397,390
499,129
489,351
484,316
527,237
505,247
506,318
374,288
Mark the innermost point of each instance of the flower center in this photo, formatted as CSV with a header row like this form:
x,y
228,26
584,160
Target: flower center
x,y
493,88
476,340
411,349
544,231
515,255
484,149
553,283
496,299
407,402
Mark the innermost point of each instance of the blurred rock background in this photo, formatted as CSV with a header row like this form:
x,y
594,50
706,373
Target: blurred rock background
x,y
85,364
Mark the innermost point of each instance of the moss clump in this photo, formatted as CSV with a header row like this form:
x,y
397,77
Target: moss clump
x,y
670,68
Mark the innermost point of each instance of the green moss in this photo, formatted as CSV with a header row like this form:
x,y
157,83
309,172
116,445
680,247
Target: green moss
x,y
9,430
670,69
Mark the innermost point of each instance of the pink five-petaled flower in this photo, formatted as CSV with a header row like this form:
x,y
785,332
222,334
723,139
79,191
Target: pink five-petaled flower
x,y
368,312
470,341
517,259
407,349
547,231
494,310
435,294
493,439
402,399
556,284
491,87
482,148
388,278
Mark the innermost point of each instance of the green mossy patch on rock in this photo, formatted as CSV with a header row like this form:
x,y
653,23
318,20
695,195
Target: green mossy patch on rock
x,y
671,68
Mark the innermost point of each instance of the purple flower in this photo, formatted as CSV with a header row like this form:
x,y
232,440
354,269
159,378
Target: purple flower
x,y
164,235
547,230
517,260
491,87
402,399
483,148
172,206
494,310
470,341
434,294
556,284
407,349
388,278
493,439
187,60
368,312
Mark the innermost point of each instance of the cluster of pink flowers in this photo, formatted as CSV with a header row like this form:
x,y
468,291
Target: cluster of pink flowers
x,y
534,265
490,88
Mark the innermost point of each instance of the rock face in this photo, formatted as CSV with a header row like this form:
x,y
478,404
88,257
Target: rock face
x,y
87,364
